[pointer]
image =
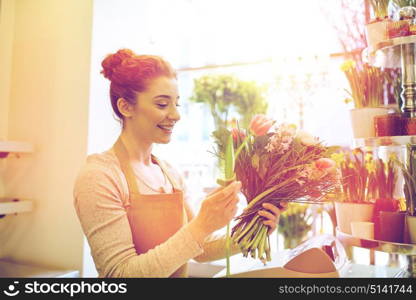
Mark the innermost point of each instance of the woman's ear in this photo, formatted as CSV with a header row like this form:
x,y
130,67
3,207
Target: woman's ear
x,y
124,107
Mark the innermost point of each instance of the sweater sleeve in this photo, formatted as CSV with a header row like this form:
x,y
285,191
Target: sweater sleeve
x,y
98,193
214,244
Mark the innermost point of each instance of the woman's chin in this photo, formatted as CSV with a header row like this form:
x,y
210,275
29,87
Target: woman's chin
x,y
164,140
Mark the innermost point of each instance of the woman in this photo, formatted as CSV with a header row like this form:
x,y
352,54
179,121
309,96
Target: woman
x,y
133,207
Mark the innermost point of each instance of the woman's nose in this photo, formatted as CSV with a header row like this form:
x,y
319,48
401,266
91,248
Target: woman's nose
x,y
174,114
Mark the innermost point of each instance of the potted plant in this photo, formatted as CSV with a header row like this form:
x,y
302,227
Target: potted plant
x,y
294,224
409,174
403,12
388,220
376,29
354,203
367,94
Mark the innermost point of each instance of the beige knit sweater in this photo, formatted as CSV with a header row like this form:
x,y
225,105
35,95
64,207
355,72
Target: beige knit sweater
x,y
100,194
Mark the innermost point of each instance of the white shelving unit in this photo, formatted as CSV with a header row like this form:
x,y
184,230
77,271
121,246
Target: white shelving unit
x,y
12,269
13,206
15,146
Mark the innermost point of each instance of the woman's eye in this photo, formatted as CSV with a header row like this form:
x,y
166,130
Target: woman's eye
x,y
162,105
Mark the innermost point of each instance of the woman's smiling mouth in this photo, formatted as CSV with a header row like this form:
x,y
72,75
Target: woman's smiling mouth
x,y
166,128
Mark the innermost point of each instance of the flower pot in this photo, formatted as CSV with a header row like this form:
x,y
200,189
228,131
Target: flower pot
x,y
392,226
410,126
362,120
347,212
389,125
411,227
363,230
398,28
376,32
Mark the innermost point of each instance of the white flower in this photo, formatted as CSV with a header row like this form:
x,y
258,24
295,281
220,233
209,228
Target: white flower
x,y
306,138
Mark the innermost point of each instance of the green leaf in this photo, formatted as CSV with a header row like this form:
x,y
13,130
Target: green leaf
x,y
255,161
229,158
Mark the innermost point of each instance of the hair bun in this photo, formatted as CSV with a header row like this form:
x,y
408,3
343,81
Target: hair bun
x,y
112,61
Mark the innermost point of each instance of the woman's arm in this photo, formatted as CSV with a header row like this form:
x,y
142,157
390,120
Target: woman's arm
x,y
214,245
98,202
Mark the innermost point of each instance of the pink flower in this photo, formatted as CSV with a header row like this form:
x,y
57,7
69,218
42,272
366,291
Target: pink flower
x,y
306,138
260,125
281,140
323,167
325,164
237,134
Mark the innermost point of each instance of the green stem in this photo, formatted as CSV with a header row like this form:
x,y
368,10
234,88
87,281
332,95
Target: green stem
x,y
241,147
268,256
247,228
262,241
265,193
249,236
228,250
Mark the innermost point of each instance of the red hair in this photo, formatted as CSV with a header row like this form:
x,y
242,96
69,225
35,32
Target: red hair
x,y
130,74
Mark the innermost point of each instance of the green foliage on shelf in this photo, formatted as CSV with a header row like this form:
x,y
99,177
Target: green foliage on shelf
x,y
225,95
404,3
380,8
294,224
409,174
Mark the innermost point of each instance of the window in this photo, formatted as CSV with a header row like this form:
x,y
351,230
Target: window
x,y
286,44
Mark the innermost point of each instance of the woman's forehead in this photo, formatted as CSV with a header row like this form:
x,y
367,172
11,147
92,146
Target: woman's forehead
x,y
164,85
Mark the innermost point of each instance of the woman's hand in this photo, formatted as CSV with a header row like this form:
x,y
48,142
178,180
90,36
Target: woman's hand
x,y
272,214
217,210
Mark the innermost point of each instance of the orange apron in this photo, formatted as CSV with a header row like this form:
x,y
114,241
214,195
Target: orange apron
x,y
153,218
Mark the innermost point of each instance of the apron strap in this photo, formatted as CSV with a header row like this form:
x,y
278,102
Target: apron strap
x,y
123,157
171,178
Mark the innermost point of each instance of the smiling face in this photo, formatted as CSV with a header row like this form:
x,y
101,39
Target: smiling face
x,y
155,113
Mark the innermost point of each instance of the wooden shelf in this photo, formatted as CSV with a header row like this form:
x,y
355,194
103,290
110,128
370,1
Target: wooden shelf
x,y
7,147
387,53
15,146
13,269
14,205
385,141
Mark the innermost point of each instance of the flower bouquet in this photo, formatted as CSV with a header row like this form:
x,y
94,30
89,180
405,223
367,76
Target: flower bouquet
x,y
274,164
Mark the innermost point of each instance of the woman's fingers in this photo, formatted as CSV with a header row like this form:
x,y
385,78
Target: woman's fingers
x,y
272,215
272,208
267,215
230,190
283,205
272,226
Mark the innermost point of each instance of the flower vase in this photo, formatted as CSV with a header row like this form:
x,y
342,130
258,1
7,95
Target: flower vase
x,y
376,32
389,125
411,227
347,212
362,120
363,230
410,126
391,226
